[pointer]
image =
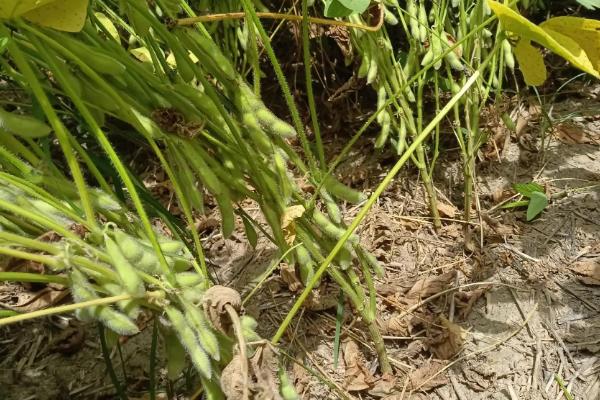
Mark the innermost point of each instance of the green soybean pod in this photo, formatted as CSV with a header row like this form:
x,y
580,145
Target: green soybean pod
x,y
23,126
69,76
97,97
130,307
173,247
363,69
282,128
130,280
423,23
344,258
185,67
330,229
116,321
193,295
187,337
306,265
373,263
204,334
188,279
390,18
227,213
436,49
288,392
413,15
427,58
148,262
386,127
95,59
453,61
509,58
249,325
131,248
342,191
331,206
175,354
372,73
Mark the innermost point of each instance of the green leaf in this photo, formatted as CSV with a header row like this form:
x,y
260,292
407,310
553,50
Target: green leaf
x,y
527,189
335,9
23,125
590,4
250,232
358,6
537,203
516,204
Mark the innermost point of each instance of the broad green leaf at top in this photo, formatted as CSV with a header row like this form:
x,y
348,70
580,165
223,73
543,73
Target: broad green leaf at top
x,y
551,35
62,15
344,8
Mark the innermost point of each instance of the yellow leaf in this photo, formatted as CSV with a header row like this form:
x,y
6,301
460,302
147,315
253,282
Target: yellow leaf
x,y
531,63
65,15
553,41
287,222
16,8
142,54
586,32
108,25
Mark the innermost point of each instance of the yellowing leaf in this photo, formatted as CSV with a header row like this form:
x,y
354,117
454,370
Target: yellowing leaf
x,y
531,63
554,41
108,25
16,8
287,222
142,54
65,15
586,32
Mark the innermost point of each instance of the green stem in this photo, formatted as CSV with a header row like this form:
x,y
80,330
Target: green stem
x,y
34,278
309,87
109,367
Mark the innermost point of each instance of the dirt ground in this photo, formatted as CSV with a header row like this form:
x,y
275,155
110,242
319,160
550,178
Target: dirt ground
x,y
519,317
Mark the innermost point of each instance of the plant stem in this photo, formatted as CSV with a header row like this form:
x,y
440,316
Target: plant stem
x,y
309,87
109,367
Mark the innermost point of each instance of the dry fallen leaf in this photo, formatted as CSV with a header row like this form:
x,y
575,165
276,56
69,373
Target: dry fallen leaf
x,y
357,375
426,287
588,271
288,275
446,210
426,377
214,301
44,298
322,298
464,301
288,224
571,134
394,326
384,386
446,343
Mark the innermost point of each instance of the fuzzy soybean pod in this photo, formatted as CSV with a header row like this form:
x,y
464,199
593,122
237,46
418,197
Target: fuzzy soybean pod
x,y
413,15
423,22
129,278
148,262
330,229
509,58
97,60
363,69
130,247
306,265
204,334
271,123
187,337
372,262
288,392
373,69
342,191
450,56
344,258
436,48
188,279
116,321
130,307
331,206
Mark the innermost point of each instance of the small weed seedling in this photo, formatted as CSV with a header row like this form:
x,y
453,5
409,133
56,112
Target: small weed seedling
x,y
534,199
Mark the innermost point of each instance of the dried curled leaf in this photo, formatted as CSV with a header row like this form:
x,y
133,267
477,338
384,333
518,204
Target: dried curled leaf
x,y
214,301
